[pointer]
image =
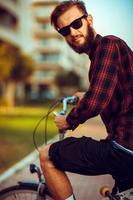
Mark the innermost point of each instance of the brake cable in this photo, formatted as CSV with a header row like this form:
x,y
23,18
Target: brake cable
x,y
69,99
52,107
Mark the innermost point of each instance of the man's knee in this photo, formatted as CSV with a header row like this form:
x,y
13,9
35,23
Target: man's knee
x,y
45,161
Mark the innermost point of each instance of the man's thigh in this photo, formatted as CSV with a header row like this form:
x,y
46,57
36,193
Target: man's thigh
x,y
80,155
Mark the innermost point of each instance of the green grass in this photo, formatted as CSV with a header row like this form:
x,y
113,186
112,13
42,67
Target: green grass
x,y
16,133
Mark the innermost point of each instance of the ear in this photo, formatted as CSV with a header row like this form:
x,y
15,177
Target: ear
x,y
90,20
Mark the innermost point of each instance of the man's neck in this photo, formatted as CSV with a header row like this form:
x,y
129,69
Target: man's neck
x,y
88,51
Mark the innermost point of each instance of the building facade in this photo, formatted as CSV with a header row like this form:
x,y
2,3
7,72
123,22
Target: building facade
x,y
26,23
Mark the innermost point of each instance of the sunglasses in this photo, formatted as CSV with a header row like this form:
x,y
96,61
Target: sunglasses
x,y
76,24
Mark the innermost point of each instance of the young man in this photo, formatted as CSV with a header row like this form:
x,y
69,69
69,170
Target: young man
x,y
109,94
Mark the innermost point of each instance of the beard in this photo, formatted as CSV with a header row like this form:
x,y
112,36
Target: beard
x,y
86,46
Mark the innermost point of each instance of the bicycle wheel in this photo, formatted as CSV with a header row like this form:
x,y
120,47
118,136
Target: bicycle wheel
x,y
19,192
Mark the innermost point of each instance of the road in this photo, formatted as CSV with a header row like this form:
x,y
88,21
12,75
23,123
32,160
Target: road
x,y
85,187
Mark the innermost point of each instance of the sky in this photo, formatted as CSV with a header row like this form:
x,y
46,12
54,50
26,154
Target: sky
x,y
113,17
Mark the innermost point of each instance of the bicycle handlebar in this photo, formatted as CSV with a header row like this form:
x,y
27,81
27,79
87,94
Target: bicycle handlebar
x,y
67,100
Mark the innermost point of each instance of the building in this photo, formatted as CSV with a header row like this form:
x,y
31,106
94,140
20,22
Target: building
x,y
26,23
9,21
52,53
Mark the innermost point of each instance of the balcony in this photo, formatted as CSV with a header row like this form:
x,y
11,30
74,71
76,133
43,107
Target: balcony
x,y
45,3
9,35
47,35
42,20
7,19
15,1
48,66
49,51
50,43
10,6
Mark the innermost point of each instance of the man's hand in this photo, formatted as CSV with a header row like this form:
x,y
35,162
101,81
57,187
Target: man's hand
x,y
61,122
79,95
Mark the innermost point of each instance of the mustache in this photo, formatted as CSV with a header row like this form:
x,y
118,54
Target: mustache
x,y
87,44
74,38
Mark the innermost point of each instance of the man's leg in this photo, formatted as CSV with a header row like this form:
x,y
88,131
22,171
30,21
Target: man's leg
x,y
57,181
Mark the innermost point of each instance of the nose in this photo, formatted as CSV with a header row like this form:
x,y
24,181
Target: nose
x,y
73,32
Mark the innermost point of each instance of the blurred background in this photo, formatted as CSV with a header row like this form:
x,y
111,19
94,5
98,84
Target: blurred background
x,y
37,67
35,61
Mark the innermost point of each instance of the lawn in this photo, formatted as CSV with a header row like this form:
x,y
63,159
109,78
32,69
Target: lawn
x,y
16,133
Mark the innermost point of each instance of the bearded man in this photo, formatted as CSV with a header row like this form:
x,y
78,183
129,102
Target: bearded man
x,y
109,94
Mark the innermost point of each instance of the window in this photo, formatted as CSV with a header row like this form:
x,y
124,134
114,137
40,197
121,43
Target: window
x,y
52,58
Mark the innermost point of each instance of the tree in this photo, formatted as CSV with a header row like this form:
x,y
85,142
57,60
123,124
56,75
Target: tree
x,y
70,78
7,59
68,82
23,68
15,67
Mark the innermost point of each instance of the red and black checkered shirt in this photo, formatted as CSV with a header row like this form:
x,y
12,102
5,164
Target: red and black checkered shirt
x,y
110,91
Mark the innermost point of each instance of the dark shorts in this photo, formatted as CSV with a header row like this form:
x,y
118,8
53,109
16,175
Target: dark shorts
x,y
91,157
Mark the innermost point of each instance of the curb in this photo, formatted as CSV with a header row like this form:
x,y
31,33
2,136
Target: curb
x,y
23,163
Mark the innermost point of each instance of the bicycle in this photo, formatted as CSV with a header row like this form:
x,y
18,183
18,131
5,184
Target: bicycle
x,y
38,190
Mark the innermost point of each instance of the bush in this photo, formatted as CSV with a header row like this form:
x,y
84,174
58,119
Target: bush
x,y
67,79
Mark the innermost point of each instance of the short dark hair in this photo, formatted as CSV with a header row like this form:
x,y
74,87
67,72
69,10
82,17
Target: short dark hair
x,y
63,7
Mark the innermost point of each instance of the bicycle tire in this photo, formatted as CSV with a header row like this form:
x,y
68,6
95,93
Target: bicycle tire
x,y
21,192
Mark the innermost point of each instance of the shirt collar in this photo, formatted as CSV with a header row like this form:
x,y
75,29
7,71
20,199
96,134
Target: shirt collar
x,y
94,45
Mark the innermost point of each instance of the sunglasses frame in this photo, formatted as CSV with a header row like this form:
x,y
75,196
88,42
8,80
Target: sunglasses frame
x,y
71,25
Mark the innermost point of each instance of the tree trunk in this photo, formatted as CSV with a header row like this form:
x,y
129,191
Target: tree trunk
x,y
9,95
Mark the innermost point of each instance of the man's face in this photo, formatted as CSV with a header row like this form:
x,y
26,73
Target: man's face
x,y
79,39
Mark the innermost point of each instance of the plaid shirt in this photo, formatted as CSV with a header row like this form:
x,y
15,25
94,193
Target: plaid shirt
x,y
110,91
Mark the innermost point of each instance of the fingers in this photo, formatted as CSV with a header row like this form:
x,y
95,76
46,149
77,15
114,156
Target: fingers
x,y
79,95
61,122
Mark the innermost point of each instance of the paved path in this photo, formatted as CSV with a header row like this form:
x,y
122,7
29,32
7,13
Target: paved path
x,y
85,187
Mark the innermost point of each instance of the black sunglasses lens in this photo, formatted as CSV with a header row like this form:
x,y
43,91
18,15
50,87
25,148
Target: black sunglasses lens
x,y
64,31
77,24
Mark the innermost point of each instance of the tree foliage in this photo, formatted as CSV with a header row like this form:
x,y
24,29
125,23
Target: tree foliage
x,y
67,79
7,60
22,69
14,65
